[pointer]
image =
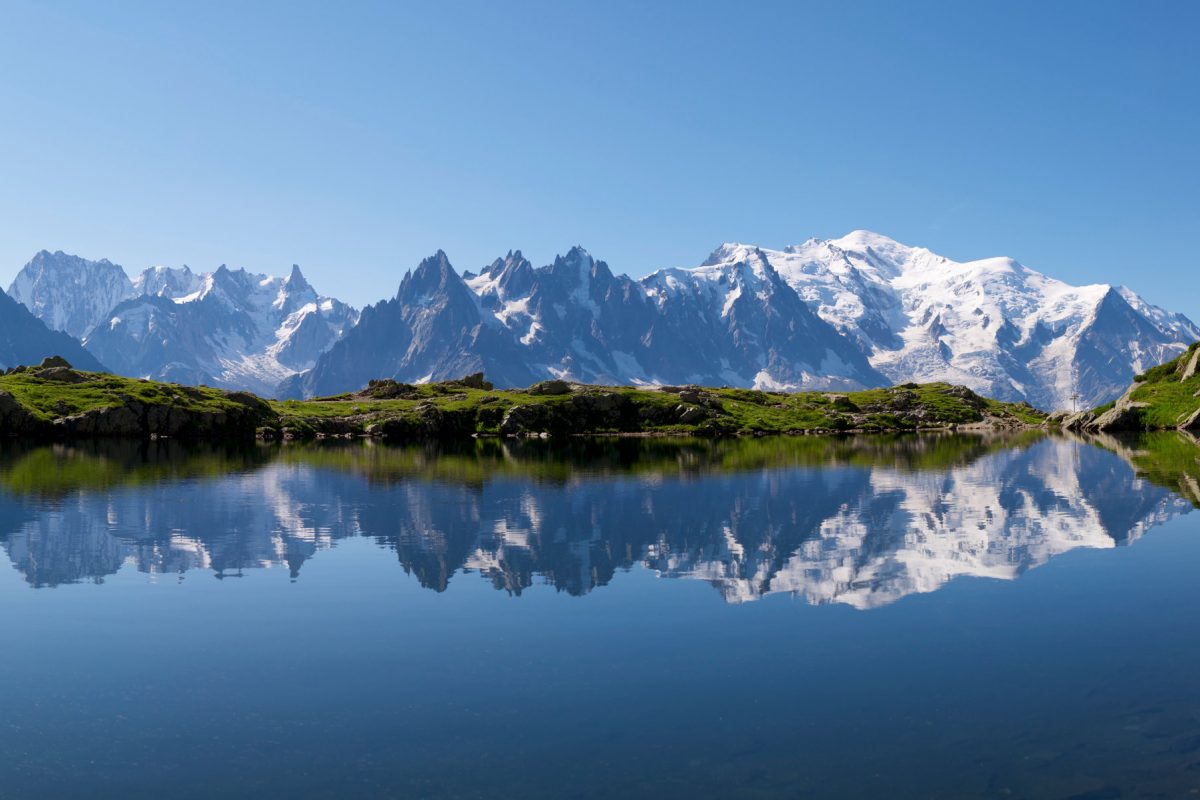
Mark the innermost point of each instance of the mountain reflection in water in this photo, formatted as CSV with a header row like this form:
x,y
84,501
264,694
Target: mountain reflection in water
x,y
863,521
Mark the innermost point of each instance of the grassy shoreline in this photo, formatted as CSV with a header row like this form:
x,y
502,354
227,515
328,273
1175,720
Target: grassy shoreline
x,y
1166,397
55,401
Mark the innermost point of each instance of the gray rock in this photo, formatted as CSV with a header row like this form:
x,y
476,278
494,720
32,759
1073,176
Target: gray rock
x,y
554,387
1122,417
54,361
62,375
1190,369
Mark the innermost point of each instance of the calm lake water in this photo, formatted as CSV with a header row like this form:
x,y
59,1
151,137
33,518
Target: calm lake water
x,y
918,617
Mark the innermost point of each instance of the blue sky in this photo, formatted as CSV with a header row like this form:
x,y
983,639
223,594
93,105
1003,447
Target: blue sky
x,y
356,138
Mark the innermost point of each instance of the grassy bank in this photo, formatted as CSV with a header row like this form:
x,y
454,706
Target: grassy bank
x,y
56,401
1165,397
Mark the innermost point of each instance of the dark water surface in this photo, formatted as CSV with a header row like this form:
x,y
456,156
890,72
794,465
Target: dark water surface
x,y
778,618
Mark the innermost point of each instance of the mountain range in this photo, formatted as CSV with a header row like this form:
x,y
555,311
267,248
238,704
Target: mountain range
x,y
859,311
229,328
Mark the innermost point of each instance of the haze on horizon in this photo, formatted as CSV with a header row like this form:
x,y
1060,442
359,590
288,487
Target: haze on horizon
x,y
355,142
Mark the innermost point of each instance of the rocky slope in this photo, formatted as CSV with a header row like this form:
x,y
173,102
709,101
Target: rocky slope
x,y
25,339
995,325
737,325
229,328
70,293
828,314
1165,397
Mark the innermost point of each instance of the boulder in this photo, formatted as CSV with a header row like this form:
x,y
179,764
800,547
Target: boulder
x,y
387,389
552,387
54,361
842,402
1192,423
62,375
1121,417
249,400
1078,422
1125,415
473,381
903,399
1190,370
965,394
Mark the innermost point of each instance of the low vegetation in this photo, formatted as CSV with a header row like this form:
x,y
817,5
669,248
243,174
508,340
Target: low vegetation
x,y
54,400
1165,397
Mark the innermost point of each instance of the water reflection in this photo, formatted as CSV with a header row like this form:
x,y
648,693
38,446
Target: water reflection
x,y
863,521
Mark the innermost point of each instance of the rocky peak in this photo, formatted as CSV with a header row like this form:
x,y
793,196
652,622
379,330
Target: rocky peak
x,y
70,293
432,276
296,281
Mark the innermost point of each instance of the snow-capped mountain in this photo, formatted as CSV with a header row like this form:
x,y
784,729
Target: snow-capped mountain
x,y
228,328
863,310
994,325
723,324
70,293
859,311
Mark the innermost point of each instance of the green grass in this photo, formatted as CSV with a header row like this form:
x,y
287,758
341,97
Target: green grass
x,y
647,411
1169,399
49,399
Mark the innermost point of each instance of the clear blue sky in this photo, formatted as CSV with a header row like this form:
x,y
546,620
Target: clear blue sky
x,y
356,138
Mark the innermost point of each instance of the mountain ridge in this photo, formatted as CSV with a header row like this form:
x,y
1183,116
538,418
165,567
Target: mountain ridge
x,y
855,312
872,312
229,327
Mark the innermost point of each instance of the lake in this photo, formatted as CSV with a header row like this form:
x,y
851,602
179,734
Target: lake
x,y
942,616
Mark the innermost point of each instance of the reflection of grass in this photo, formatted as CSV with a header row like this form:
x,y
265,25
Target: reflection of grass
x,y
48,472
1171,460
1167,459
59,469
559,461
